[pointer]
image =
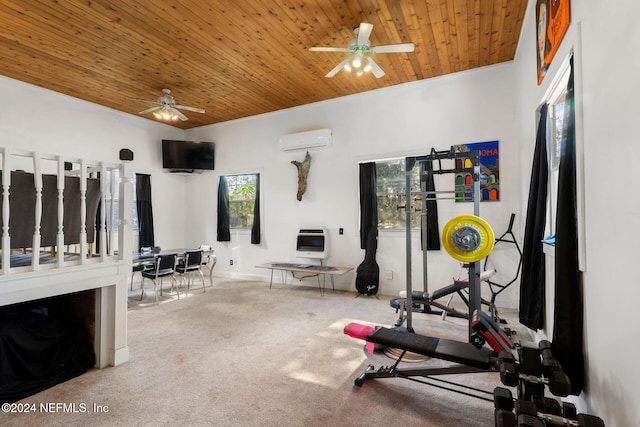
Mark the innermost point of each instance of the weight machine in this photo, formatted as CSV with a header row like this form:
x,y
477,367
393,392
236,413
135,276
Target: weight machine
x,y
472,231
423,301
468,238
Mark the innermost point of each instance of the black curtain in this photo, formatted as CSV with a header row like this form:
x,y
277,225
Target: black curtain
x,y
532,282
368,202
145,211
255,228
433,233
224,235
568,309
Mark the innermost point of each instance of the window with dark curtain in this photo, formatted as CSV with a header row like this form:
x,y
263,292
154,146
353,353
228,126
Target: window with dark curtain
x,y
255,228
224,233
532,283
145,211
368,202
568,306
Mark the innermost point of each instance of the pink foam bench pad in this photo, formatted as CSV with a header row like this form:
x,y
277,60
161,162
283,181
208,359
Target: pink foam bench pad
x,y
357,330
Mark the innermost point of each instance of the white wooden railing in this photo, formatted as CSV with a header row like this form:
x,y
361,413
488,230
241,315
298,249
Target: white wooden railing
x,y
40,164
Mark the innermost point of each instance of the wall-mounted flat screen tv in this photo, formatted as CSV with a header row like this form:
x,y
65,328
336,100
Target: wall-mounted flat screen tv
x,y
187,155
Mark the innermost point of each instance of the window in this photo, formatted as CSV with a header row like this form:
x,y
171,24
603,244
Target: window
x,y
391,186
242,196
555,135
114,199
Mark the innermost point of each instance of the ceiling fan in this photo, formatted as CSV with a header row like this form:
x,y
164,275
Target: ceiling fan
x,y
167,109
360,52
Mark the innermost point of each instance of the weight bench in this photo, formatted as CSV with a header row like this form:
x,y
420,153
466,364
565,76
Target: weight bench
x,y
437,348
465,358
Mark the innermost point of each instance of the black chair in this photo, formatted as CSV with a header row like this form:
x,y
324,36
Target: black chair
x,y
190,264
140,267
144,262
165,266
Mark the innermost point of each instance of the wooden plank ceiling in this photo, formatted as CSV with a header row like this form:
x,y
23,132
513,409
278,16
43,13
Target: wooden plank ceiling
x,y
241,58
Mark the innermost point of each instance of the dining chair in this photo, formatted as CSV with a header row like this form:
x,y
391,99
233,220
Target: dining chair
x,y
191,264
209,259
144,262
165,266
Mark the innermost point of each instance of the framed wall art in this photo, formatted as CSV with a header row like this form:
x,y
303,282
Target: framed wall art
x,y
552,19
489,171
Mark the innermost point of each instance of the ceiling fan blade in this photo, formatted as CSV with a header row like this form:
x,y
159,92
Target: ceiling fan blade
x,y
179,114
392,48
151,109
375,68
194,109
364,32
142,100
338,68
328,49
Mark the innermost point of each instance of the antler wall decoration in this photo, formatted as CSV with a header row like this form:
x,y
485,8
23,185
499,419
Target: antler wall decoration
x,y
303,171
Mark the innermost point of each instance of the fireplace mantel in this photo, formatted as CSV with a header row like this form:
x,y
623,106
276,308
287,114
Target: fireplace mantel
x,y
108,279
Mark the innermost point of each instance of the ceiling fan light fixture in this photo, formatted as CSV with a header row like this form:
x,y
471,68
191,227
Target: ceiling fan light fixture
x,y
166,109
368,65
362,53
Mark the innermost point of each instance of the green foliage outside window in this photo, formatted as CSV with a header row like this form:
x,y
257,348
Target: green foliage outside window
x,y
242,196
391,186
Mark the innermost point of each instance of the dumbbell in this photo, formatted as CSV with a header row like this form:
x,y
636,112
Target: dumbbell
x,y
559,383
508,370
528,415
569,410
505,418
502,399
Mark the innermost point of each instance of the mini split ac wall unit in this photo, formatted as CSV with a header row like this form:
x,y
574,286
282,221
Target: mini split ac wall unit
x,y
305,140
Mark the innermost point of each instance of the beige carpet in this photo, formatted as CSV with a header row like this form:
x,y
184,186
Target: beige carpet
x,y
241,354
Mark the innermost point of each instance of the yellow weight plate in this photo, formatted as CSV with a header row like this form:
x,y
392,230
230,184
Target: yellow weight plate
x,y
468,238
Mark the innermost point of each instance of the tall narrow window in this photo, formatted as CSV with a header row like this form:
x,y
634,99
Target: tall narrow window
x,y
555,130
242,196
391,189
113,198
240,205
112,206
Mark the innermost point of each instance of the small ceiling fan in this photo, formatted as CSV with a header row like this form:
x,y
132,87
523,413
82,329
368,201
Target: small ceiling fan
x,y
360,52
167,109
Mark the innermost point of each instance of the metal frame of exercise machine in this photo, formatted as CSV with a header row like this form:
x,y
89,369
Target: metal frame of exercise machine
x,y
475,299
423,301
466,357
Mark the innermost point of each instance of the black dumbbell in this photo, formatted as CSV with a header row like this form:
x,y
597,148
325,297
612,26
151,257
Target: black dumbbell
x,y
508,369
569,410
586,420
549,366
505,418
525,407
502,399
530,363
526,420
509,374
551,406
559,384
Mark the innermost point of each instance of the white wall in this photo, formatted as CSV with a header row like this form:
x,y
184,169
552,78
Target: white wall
x,y
403,120
33,118
607,69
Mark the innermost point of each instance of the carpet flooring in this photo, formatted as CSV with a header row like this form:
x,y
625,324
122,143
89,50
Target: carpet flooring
x,y
241,354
